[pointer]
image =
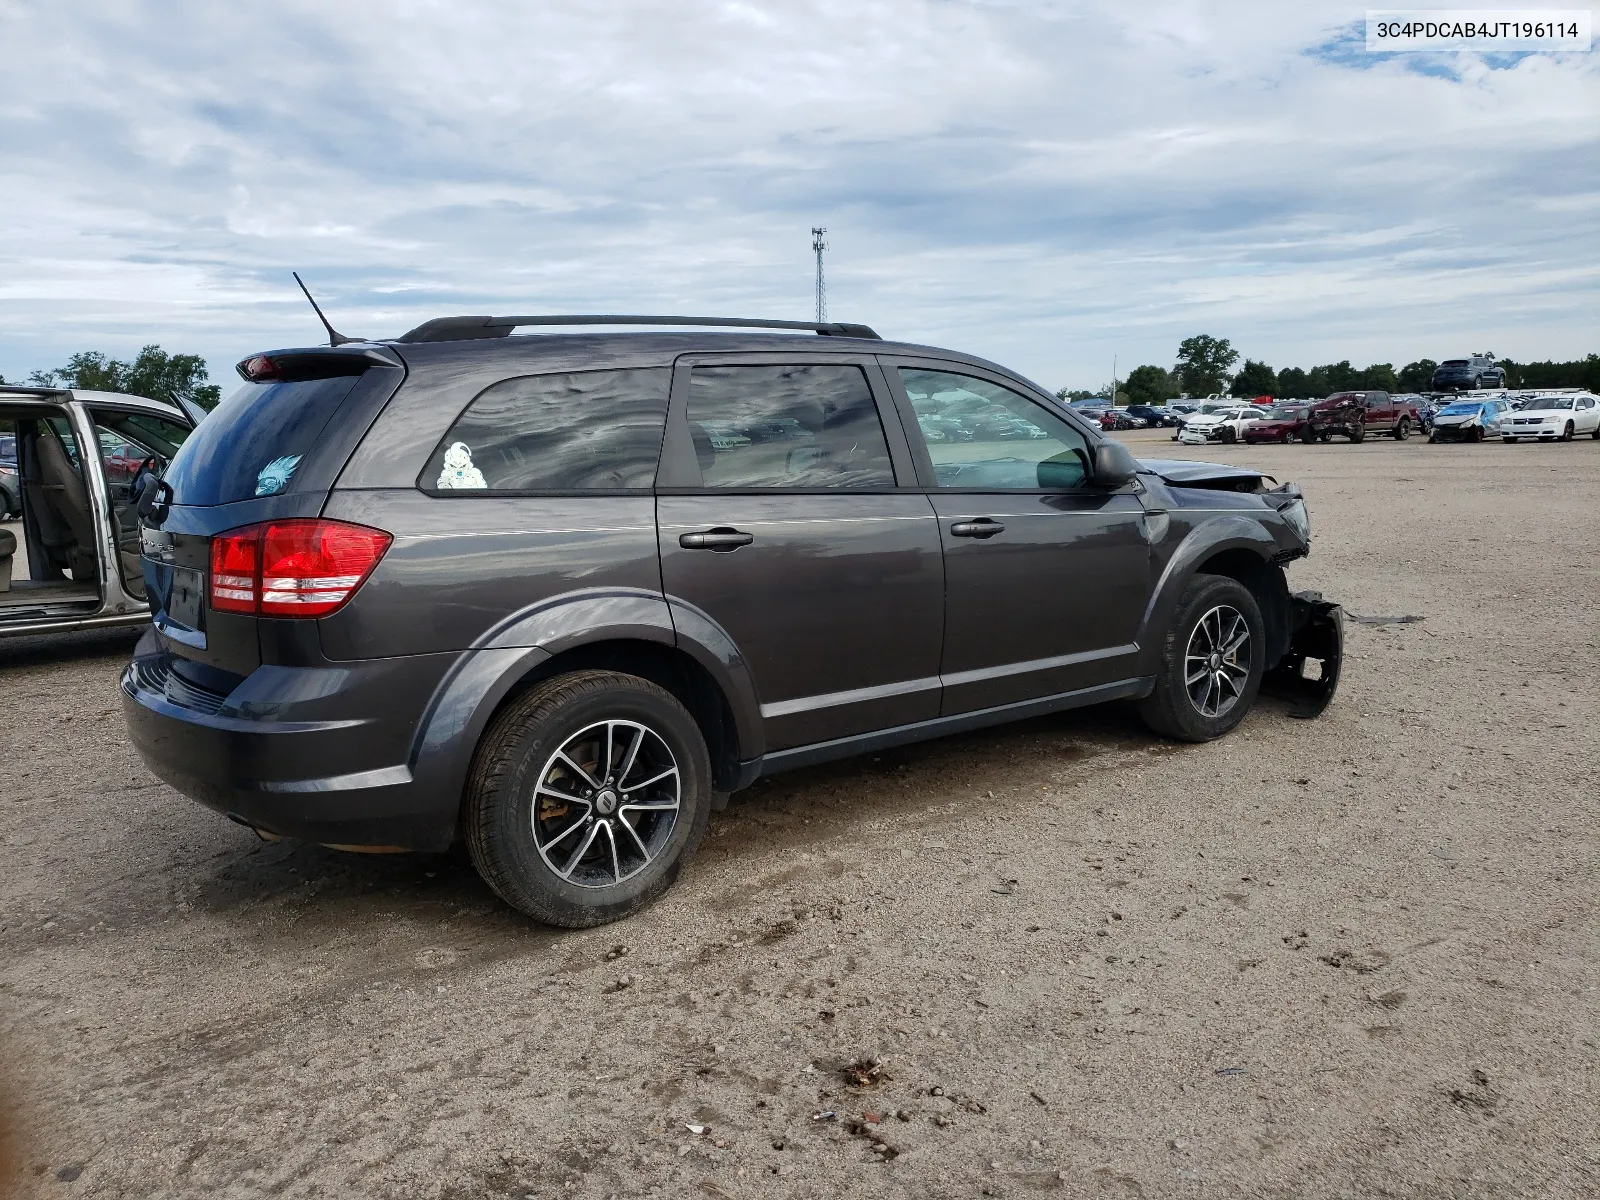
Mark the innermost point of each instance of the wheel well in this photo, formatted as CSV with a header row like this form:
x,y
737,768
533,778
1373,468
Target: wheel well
x,y
668,668
1266,584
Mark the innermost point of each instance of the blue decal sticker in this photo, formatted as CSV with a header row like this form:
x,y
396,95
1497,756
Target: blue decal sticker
x,y
274,477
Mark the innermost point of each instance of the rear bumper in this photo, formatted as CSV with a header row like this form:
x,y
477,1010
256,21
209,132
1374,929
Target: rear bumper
x,y
272,755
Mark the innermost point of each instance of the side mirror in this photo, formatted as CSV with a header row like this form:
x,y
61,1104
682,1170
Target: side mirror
x,y
1113,465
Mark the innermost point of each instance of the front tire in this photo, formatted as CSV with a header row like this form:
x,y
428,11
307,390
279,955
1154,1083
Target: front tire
x,y
1211,662
1358,434
587,795
1566,434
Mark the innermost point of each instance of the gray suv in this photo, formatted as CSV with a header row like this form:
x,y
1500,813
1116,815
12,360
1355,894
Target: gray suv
x,y
556,596
1468,374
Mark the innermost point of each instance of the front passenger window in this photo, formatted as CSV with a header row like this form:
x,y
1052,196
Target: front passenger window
x,y
982,435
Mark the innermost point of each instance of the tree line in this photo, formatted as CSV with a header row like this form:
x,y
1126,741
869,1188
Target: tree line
x,y
1205,365
153,373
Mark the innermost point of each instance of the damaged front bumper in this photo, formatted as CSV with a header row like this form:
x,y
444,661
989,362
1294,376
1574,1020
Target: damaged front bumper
x,y
1308,674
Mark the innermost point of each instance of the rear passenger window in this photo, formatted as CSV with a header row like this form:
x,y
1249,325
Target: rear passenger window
x,y
787,427
573,432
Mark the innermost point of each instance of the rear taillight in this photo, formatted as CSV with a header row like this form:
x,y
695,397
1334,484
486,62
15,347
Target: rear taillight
x,y
235,570
303,568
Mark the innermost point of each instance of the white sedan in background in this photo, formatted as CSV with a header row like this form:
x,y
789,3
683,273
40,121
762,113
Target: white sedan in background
x,y
1222,424
1550,418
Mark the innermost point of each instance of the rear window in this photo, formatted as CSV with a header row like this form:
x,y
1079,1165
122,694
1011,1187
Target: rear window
x,y
1454,362
253,442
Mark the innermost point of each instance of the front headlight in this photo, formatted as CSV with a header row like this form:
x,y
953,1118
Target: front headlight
x,y
1299,519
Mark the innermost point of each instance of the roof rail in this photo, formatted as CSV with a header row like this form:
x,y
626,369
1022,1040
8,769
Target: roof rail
x,y
28,389
455,329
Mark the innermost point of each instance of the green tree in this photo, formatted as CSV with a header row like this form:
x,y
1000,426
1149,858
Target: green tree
x,y
154,373
1150,385
1204,363
1255,379
1381,377
1580,372
1341,376
1293,384
1069,395
1317,384
1418,376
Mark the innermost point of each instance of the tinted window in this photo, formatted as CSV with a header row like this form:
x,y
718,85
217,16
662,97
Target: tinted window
x,y
982,435
810,426
575,431
252,444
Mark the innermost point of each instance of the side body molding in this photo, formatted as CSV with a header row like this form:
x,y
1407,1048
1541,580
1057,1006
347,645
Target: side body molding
x,y
1219,533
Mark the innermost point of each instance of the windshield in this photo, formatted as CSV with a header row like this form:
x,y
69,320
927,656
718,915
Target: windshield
x,y
1549,402
1459,409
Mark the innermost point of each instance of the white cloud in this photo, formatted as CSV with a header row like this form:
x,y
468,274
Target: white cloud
x,y
1040,183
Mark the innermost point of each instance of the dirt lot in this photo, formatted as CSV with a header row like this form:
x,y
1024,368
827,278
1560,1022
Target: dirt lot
x,y
1348,957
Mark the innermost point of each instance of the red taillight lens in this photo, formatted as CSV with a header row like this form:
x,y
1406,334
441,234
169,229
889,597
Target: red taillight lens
x,y
304,568
235,573
310,568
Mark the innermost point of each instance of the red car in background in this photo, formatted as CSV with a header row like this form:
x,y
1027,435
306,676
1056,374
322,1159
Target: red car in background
x,y
1284,423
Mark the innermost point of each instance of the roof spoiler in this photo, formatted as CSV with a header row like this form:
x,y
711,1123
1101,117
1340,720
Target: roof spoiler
x,y
460,329
318,362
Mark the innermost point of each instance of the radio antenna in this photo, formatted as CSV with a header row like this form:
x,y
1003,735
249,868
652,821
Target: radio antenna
x,y
335,338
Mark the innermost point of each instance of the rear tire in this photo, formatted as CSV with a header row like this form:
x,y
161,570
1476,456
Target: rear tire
x,y
1173,708
1403,430
520,832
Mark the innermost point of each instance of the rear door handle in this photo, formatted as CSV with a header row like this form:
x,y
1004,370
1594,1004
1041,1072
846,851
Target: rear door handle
x,y
722,538
983,527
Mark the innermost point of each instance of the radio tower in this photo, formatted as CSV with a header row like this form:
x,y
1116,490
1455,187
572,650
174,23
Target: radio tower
x,y
817,244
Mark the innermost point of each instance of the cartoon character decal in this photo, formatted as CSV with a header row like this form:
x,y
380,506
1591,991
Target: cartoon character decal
x,y
275,476
458,469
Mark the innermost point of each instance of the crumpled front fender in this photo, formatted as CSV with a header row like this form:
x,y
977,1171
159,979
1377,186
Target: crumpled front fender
x,y
1316,645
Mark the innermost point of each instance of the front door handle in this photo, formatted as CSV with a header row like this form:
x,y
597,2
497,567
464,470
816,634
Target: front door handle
x,y
721,538
983,527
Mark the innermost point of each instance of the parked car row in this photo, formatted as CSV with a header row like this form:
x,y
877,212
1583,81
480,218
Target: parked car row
x,y
1559,416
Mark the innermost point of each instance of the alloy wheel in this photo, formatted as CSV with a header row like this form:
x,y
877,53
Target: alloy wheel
x,y
606,803
1217,662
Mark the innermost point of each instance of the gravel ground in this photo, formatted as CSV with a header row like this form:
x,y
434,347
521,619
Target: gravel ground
x,y
1353,956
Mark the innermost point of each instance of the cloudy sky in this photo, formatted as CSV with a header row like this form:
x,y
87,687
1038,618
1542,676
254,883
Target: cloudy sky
x,y
1048,184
